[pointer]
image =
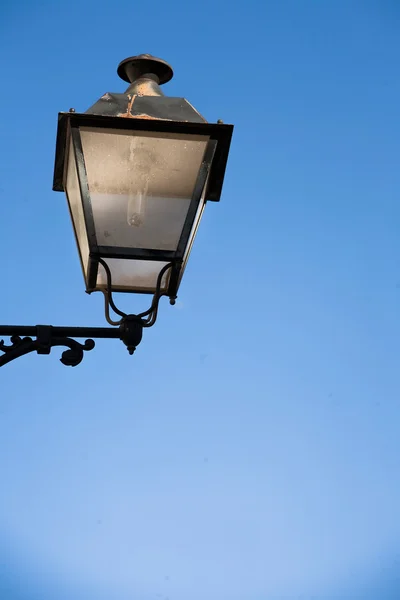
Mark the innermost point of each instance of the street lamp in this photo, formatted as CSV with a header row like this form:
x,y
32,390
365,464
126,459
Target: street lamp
x,y
137,169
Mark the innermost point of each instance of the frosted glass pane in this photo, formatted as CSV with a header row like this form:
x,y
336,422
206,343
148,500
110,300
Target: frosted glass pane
x,y
140,275
141,185
76,209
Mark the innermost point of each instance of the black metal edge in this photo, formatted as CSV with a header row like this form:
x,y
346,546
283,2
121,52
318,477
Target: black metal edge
x,y
93,269
201,181
59,159
189,248
84,187
67,150
220,161
222,133
136,253
174,280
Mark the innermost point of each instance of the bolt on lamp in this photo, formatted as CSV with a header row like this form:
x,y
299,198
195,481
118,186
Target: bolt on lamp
x,y
137,169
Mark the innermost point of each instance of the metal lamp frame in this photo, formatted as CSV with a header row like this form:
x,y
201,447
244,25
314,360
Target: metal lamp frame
x,y
143,107
209,181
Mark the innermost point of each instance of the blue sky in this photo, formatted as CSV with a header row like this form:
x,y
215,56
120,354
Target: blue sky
x,y
250,448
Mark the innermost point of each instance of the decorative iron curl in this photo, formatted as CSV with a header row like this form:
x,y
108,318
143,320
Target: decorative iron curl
x,y
21,346
73,356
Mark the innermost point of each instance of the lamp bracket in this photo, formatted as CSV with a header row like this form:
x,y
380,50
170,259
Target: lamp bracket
x,y
46,338
148,317
42,338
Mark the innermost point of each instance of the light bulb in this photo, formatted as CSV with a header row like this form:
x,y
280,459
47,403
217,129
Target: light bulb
x,y
137,205
138,160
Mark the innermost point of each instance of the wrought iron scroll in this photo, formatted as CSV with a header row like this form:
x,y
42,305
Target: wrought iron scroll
x,y
42,345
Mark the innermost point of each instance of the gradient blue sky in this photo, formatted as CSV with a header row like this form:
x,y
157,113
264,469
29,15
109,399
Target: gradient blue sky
x,y
250,449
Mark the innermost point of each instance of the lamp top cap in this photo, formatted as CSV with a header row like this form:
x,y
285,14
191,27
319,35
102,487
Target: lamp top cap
x,y
135,67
